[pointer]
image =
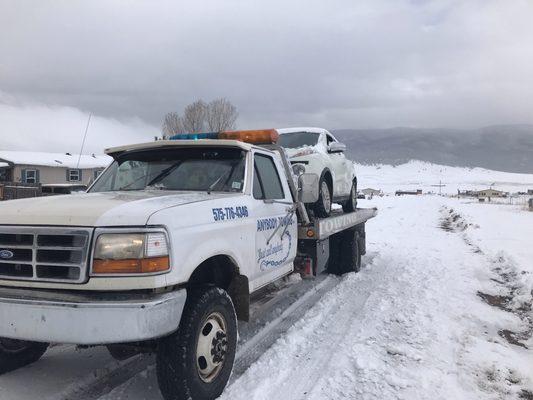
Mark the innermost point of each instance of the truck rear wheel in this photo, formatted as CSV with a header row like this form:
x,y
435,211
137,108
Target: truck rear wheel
x,y
196,361
15,354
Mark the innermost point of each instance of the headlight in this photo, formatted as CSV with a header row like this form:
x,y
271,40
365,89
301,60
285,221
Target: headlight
x,y
131,253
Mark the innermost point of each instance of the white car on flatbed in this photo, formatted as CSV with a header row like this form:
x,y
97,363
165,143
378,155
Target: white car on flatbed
x,y
322,154
162,253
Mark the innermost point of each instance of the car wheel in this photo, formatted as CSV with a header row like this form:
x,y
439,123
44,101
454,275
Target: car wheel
x,y
15,354
323,205
351,204
196,361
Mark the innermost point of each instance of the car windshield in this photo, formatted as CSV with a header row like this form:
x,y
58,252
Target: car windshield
x,y
298,139
192,169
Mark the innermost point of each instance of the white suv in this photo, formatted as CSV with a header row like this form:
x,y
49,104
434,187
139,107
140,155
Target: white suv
x,y
322,154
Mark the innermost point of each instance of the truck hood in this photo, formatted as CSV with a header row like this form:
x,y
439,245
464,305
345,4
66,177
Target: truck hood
x,y
97,209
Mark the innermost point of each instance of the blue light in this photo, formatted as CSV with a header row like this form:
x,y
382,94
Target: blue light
x,y
195,136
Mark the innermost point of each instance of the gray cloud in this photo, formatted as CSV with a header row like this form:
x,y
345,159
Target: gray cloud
x,y
373,63
61,129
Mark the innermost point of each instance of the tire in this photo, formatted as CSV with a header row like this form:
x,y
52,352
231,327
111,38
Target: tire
x,y
351,204
323,206
196,362
15,354
348,253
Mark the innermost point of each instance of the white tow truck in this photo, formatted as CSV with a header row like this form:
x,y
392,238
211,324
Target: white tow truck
x,y
163,252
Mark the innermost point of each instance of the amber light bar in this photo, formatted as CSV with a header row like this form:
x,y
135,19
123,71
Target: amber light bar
x,y
260,136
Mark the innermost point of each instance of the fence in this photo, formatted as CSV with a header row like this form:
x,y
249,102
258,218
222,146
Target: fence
x,y
15,190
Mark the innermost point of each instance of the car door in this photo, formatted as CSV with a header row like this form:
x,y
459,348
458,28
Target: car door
x,y
276,226
341,168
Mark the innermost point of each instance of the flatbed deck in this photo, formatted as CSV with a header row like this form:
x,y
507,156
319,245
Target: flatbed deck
x,y
322,228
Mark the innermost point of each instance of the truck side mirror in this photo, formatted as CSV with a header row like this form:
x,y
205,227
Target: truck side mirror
x,y
298,169
337,147
308,188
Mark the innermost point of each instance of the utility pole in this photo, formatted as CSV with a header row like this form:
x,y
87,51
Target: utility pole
x,y
440,186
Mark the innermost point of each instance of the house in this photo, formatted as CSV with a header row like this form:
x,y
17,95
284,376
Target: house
x,y
466,193
490,193
371,192
50,168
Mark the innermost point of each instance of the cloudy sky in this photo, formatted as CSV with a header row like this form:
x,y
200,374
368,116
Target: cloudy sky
x,y
336,64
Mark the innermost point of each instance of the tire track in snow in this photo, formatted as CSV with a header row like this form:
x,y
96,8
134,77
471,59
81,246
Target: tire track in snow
x,y
309,377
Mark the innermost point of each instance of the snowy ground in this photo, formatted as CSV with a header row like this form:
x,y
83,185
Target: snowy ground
x,y
427,176
441,310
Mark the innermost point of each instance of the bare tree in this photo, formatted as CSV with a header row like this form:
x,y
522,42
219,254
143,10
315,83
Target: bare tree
x,y
221,115
172,125
194,117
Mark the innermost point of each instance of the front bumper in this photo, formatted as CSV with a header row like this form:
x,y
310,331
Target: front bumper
x,y
88,319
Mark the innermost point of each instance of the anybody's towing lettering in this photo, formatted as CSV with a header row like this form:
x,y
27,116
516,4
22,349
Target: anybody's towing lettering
x,y
222,214
267,224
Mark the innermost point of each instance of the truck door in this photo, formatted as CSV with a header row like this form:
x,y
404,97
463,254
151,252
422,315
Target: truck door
x,y
276,226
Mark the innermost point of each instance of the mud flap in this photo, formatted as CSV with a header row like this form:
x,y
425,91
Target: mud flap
x,y
240,295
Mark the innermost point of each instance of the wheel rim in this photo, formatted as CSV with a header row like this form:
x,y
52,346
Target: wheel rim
x,y
212,347
12,345
326,198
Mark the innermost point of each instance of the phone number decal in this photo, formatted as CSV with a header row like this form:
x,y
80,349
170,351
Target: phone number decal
x,y
229,213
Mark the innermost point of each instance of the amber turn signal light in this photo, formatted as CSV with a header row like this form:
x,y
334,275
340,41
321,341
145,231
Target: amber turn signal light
x,y
131,266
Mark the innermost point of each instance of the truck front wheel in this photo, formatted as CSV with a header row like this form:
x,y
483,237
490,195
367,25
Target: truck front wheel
x,y
15,354
196,361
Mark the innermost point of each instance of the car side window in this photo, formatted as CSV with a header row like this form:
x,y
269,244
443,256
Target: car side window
x,y
330,139
267,184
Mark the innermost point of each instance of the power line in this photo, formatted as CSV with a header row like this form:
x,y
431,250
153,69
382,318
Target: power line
x,y
83,142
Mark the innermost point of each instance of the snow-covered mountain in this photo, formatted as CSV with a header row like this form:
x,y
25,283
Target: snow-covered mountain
x,y
427,176
502,148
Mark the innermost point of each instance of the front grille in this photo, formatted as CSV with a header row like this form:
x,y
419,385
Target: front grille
x,y
44,254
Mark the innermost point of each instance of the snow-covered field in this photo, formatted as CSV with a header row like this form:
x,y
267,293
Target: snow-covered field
x,y
442,309
427,176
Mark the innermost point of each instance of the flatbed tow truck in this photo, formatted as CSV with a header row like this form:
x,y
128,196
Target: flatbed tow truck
x,y
163,253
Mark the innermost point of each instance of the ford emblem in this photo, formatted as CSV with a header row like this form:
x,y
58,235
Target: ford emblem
x,y
6,254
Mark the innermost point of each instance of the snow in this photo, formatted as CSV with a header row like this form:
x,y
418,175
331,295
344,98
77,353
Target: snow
x,y
281,131
55,159
426,176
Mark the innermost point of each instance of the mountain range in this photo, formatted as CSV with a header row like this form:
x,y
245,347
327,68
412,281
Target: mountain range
x,y
502,148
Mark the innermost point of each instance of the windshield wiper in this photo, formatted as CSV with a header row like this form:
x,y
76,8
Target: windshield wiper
x,y
215,183
164,173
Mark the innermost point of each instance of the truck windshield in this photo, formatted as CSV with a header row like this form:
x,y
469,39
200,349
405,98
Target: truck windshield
x,y
294,140
191,169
